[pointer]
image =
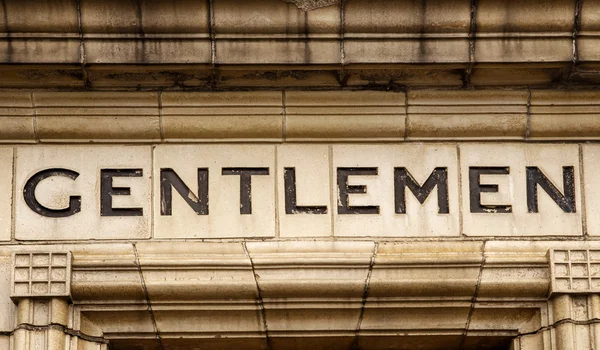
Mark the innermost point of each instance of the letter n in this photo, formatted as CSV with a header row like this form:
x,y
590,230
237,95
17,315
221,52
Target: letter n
x,y
536,177
169,179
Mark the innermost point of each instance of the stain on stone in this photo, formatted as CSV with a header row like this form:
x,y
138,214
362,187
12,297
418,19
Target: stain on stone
x,y
7,30
308,5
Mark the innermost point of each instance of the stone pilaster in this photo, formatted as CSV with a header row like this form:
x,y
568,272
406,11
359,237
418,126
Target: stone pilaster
x,y
575,299
41,287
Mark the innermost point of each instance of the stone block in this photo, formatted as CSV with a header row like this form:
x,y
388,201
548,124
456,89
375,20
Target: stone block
x,y
34,50
269,51
67,202
315,279
381,214
16,117
466,115
212,202
148,51
525,16
40,16
149,17
6,200
507,194
231,115
504,31
406,50
92,280
41,275
344,115
7,306
215,271
103,116
404,16
273,17
575,271
587,40
591,187
305,207
424,269
524,49
564,115
276,32
394,32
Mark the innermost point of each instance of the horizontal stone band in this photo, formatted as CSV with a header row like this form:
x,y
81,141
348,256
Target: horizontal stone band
x,y
278,116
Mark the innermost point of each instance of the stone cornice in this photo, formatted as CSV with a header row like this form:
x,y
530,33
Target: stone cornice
x,y
352,291
299,116
231,44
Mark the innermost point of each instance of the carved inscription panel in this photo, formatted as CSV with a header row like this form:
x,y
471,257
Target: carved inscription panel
x,y
298,190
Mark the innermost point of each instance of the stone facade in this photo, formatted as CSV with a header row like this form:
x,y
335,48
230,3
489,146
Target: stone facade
x,y
297,174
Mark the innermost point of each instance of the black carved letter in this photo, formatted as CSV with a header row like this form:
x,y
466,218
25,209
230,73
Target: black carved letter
x,y
476,188
32,202
169,179
107,191
245,185
403,179
536,177
289,179
344,189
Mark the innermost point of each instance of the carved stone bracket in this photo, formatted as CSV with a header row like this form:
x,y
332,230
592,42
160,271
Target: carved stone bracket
x,y
41,275
574,271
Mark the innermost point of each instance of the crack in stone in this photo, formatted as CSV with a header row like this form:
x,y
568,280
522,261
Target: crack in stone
x,y
261,304
472,32
354,344
148,303
213,45
82,57
60,327
558,323
528,115
474,298
576,24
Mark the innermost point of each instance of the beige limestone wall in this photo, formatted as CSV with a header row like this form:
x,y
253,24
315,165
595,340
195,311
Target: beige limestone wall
x,y
275,279
316,86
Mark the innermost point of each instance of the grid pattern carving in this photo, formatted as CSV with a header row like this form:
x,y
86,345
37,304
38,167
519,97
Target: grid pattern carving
x,y
575,271
39,274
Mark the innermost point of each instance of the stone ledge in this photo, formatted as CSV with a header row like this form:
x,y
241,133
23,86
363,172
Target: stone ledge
x,y
291,116
512,306
272,43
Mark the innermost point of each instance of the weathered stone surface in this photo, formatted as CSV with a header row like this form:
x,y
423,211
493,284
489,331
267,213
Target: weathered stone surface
x,y
591,187
223,213
309,199
379,161
344,115
103,116
6,201
504,209
466,115
550,111
56,192
214,116
16,117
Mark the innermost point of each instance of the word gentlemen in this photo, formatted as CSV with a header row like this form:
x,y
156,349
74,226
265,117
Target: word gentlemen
x,y
403,181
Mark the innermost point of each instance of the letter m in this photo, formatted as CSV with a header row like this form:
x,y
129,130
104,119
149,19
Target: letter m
x,y
403,179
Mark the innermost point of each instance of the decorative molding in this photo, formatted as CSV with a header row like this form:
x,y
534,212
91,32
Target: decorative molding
x,y
299,116
273,43
575,271
41,275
